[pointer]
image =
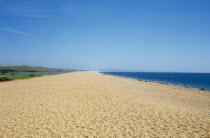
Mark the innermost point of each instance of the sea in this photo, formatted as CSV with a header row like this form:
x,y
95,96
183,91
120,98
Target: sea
x,y
190,80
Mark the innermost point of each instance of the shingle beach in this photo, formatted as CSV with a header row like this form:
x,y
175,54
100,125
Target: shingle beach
x,y
86,104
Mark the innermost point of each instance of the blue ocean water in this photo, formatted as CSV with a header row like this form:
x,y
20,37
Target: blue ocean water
x,y
191,80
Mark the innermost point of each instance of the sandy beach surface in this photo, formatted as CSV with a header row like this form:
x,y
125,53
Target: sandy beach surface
x,y
86,104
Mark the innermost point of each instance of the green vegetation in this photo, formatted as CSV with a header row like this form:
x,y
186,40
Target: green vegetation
x,y
31,75
8,73
4,79
13,76
25,68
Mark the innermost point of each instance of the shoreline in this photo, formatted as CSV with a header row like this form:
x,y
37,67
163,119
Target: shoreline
x,y
142,80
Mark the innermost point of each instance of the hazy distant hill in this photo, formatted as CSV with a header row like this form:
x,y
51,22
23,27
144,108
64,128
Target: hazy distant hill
x,y
24,68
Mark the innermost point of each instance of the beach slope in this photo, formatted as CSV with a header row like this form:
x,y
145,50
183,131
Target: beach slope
x,y
86,104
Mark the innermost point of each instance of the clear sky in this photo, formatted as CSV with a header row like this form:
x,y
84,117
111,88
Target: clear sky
x,y
130,35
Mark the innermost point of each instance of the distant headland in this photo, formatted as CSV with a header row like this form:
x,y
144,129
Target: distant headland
x,y
26,68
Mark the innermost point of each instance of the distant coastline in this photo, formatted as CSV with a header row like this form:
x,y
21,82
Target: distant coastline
x,y
26,68
12,72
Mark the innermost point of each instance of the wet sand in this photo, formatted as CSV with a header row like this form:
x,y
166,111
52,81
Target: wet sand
x,y
86,104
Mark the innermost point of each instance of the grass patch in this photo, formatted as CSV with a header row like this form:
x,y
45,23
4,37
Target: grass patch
x,y
14,76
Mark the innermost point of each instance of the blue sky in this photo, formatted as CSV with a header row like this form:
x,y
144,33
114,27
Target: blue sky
x,y
127,35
